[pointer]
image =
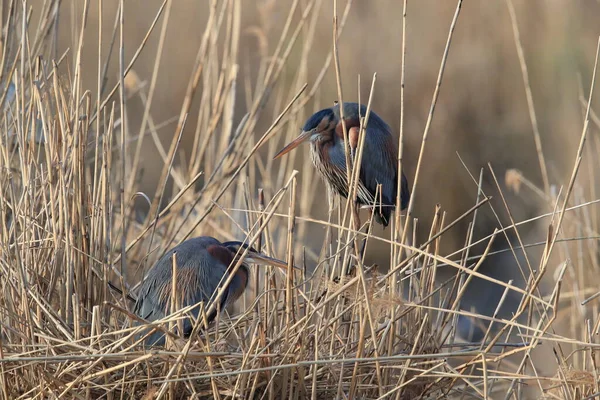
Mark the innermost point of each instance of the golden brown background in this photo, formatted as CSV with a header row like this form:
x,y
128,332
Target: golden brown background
x,y
481,115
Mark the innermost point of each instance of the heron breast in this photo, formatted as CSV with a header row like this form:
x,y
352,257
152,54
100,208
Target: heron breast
x,y
238,284
321,159
335,175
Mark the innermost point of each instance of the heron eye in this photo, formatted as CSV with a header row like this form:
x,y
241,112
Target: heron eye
x,y
323,125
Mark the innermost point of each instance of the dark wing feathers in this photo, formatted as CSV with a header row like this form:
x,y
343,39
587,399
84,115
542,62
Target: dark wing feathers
x,y
378,166
379,160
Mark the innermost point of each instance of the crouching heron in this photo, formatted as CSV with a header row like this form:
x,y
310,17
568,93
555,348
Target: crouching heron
x,y
203,265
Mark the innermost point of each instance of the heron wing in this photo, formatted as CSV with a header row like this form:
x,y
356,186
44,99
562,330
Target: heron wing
x,y
379,165
336,175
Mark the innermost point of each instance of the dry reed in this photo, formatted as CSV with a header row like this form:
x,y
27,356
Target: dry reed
x,y
71,233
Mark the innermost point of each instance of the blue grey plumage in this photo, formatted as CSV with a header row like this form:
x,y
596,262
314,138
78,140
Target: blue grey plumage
x,y
203,265
199,273
314,120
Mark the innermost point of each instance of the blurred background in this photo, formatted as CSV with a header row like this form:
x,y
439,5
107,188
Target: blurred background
x,y
482,115
482,112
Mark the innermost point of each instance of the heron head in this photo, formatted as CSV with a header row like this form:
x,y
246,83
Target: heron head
x,y
320,123
351,110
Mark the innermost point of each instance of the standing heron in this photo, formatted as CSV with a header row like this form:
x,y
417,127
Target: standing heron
x,y
379,160
202,266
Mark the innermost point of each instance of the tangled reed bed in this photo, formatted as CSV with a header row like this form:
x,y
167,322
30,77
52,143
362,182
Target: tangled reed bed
x,y
71,233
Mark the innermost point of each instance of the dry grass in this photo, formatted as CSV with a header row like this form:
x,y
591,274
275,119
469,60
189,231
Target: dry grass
x,y
76,217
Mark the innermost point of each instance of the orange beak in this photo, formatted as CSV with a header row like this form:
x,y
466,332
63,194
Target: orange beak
x,y
261,259
304,136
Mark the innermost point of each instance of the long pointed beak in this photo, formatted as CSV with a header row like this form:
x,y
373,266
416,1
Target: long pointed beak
x,y
261,259
305,135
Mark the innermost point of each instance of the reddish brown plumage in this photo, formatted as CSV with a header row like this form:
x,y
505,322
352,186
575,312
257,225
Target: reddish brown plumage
x,y
325,125
226,256
350,123
221,253
353,137
242,275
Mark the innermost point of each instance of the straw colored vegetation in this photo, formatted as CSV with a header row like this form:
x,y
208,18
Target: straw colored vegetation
x,y
83,94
